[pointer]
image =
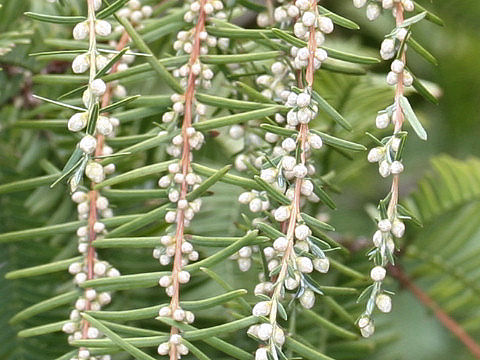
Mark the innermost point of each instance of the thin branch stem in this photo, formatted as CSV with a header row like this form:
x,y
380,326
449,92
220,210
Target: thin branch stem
x,y
185,163
457,330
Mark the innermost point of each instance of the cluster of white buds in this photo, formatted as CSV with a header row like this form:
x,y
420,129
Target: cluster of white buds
x,y
90,300
256,200
304,109
276,85
244,257
212,8
173,182
374,7
266,332
105,126
82,30
301,56
398,68
135,12
166,281
84,354
166,251
174,341
385,157
391,44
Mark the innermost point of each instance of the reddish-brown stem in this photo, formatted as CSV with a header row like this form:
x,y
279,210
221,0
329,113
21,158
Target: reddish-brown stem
x,y
185,164
398,273
93,194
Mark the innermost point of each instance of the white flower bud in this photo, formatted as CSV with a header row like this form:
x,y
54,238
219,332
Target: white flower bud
x,y
396,167
163,348
265,331
302,232
398,228
315,141
244,264
397,66
300,171
325,24
308,18
384,303
392,78
245,252
382,120
179,315
376,154
80,64
99,268
373,11
388,46
378,273
103,28
321,265
407,78
94,172
307,299
377,238
288,163
80,31
98,87
368,330
278,336
359,3
104,126
77,122
262,308
387,4
69,327
88,144
282,213
98,227
104,298
384,225
261,354
304,264
165,281
280,244
255,205
384,169
183,277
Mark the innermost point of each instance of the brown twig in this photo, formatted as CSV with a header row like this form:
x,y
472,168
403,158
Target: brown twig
x,y
93,194
457,330
185,163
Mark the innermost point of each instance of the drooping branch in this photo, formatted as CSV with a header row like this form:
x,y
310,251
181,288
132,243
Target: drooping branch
x,y
450,323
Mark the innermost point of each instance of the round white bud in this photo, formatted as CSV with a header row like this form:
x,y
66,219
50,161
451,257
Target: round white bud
x,y
384,303
384,225
378,273
103,28
307,299
88,144
98,87
80,31
262,308
321,265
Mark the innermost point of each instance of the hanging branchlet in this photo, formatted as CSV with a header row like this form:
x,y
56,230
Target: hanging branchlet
x,y
389,155
92,206
181,178
286,174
